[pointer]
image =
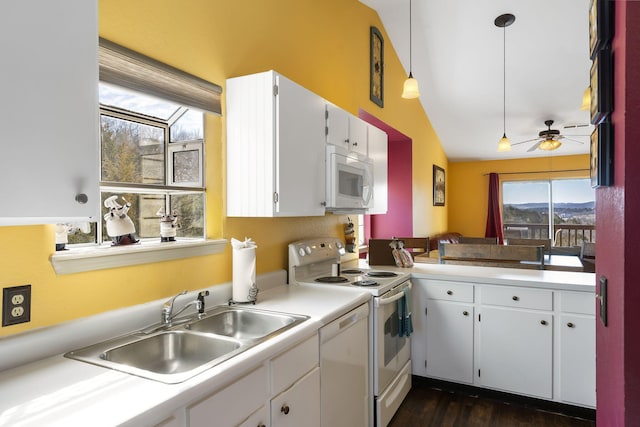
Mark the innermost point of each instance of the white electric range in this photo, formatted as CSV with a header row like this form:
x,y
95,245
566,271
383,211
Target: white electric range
x,y
316,262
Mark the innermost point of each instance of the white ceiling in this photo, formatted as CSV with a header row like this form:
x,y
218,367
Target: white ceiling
x,y
458,62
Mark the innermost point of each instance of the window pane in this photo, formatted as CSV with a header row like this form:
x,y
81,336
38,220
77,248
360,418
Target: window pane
x,y
574,211
190,208
142,213
525,209
125,99
186,166
131,152
188,127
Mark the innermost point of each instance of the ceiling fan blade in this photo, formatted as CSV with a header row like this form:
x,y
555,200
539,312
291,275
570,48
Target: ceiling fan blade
x,y
573,140
524,142
534,147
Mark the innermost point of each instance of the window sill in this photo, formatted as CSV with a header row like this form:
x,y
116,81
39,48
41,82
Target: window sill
x,y
106,256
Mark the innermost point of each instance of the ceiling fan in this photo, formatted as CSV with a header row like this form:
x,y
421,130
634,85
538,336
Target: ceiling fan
x,y
549,139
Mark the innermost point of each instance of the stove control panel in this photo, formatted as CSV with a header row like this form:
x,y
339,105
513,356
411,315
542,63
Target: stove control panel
x,y
315,250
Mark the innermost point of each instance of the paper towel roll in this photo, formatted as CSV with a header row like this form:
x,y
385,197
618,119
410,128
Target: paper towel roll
x,y
244,274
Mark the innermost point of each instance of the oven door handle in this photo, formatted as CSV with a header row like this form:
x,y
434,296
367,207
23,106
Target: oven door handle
x,y
393,298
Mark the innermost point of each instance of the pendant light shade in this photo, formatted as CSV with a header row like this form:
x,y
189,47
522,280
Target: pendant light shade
x,y
503,21
586,99
410,89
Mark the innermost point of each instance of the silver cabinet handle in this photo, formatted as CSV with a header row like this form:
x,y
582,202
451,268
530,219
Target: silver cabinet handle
x,y
571,325
285,409
543,322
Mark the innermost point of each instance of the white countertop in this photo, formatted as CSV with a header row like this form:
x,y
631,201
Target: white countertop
x,y
545,279
57,391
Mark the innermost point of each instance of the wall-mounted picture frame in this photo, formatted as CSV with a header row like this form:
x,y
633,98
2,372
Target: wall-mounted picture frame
x,y
600,25
601,86
376,67
601,155
438,186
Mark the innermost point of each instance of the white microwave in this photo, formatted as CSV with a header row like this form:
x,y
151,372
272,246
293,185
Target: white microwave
x,y
349,181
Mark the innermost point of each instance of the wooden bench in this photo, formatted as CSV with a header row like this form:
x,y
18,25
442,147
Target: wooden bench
x,y
531,257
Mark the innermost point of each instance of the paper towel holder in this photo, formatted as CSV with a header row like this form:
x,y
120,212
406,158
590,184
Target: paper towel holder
x,y
253,296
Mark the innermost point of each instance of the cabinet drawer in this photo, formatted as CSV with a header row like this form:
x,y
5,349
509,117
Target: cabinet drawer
x,y
293,364
450,291
509,296
578,302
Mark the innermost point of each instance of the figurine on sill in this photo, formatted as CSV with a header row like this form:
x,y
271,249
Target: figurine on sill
x,y
168,225
119,226
62,232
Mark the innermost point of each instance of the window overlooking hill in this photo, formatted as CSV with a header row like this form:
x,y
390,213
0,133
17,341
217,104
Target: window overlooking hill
x,y
562,210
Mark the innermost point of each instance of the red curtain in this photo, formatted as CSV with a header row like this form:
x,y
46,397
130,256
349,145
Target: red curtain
x,y
494,219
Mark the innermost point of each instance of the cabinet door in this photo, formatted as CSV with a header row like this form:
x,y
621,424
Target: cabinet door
x,y
378,153
298,405
49,121
226,407
260,418
578,359
449,341
337,126
515,351
300,180
358,141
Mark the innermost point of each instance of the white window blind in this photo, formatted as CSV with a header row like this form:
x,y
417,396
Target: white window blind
x,y
127,68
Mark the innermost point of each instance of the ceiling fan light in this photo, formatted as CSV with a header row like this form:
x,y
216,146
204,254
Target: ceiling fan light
x,y
504,144
586,99
410,89
549,145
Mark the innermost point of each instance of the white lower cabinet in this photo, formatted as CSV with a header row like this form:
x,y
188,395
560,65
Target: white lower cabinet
x,y
524,340
515,351
232,405
442,344
300,404
577,349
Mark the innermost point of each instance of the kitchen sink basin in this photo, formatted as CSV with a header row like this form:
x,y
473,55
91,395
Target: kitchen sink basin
x,y
244,324
176,352
171,352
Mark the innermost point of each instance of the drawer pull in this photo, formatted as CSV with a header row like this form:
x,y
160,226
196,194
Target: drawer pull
x,y
571,325
465,313
261,425
285,409
543,322
515,298
449,292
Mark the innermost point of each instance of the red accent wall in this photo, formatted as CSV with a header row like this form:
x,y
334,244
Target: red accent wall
x,y
618,228
398,221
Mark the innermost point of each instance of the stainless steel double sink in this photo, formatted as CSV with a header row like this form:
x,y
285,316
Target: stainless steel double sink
x,y
176,352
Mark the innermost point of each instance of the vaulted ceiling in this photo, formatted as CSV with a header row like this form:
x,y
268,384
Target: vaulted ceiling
x,y
458,60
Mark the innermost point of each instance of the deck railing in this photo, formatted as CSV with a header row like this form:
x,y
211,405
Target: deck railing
x,y
563,234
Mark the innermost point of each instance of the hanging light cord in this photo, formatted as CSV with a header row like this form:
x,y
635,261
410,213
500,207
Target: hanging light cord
x,y
504,81
410,44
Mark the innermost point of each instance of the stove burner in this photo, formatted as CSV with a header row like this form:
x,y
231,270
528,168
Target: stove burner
x,y
352,271
367,282
332,279
381,274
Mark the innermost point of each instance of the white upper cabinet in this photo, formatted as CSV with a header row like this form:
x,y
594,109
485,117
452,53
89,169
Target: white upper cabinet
x,y
377,142
346,130
49,111
275,148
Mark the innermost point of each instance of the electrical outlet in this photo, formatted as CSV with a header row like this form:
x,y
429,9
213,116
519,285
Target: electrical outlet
x,y
16,305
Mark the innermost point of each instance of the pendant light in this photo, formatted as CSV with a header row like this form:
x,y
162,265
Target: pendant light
x,y
503,21
410,89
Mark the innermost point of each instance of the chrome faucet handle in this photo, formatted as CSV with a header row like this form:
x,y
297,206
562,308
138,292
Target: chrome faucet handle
x,y
167,308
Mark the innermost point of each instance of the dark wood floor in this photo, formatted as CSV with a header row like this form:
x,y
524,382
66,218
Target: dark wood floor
x,y
430,404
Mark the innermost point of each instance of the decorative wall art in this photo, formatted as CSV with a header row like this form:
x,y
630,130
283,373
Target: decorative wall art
x,y
376,55
601,155
601,86
438,186
600,25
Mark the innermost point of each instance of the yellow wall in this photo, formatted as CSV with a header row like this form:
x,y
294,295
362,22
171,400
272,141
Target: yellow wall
x,y
469,184
323,45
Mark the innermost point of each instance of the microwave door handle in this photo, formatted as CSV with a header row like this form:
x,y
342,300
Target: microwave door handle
x,y
369,186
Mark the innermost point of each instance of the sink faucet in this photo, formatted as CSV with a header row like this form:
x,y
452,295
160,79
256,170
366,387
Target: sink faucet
x,y
167,307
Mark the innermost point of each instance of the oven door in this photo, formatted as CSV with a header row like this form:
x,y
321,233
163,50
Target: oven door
x,y
392,351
